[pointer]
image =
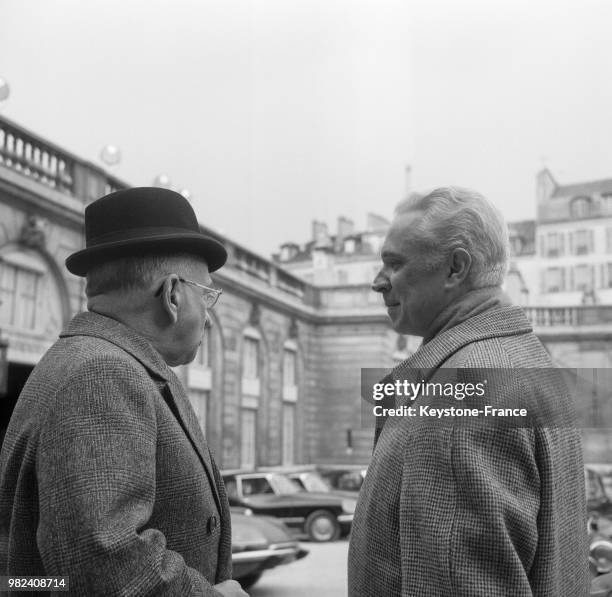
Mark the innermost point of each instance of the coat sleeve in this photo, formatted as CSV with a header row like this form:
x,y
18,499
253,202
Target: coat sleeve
x,y
494,535
97,483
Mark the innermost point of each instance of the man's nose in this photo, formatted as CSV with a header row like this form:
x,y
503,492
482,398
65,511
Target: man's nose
x,y
381,283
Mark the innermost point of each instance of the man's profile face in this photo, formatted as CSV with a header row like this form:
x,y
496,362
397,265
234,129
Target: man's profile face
x,y
413,295
193,315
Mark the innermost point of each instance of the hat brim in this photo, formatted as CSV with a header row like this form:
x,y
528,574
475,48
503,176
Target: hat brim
x,y
210,250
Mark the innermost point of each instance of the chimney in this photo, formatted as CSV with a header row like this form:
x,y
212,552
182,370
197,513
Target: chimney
x,y
320,234
346,227
376,223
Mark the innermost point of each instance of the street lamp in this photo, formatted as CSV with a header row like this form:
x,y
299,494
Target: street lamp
x,y
4,89
110,155
163,181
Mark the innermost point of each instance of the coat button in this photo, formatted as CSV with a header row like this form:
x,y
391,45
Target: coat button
x,y
212,524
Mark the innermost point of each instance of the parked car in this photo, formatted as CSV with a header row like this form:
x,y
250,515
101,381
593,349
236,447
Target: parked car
x,y
320,516
258,544
599,502
599,509
344,477
310,478
605,472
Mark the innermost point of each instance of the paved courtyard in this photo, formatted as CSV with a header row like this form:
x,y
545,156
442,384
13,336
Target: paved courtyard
x,y
322,573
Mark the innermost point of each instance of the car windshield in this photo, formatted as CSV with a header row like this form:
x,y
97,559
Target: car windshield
x,y
594,486
283,485
314,482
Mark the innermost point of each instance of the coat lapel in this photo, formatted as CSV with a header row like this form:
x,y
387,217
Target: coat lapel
x,y
174,396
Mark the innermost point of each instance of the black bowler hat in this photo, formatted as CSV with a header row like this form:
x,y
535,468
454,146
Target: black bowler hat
x,y
139,221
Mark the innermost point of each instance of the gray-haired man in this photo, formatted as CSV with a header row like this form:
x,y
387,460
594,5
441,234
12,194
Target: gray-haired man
x,y
453,510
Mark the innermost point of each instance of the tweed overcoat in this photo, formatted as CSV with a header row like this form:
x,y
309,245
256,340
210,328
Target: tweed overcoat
x,y
449,511
105,476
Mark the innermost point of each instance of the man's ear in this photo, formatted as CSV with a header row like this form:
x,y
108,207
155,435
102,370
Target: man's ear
x,y
460,263
170,297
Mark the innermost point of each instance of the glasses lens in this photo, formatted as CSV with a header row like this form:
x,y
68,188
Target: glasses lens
x,y
210,298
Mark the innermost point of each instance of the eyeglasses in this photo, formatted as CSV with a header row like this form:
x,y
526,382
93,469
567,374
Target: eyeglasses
x,y
210,295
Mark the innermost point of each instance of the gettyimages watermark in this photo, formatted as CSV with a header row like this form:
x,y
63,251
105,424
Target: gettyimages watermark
x,y
542,397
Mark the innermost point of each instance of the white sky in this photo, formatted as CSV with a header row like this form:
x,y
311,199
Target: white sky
x,y
275,112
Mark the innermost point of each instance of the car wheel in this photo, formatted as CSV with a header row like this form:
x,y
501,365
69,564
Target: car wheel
x,y
246,582
322,525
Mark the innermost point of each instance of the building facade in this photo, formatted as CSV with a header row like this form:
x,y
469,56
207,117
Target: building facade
x,y
277,379
265,383
560,271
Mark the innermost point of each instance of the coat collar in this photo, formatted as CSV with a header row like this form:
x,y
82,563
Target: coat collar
x,y
93,324
494,322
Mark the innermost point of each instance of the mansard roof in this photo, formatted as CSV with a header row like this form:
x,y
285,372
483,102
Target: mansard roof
x,y
587,189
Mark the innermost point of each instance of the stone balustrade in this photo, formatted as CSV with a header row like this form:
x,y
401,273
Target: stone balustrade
x,y
44,162
576,316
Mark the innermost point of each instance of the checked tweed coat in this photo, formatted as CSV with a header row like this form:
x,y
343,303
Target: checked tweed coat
x,y
105,476
458,512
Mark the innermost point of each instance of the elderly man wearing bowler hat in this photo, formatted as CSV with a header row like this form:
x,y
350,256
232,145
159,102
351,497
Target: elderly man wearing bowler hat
x,y
105,476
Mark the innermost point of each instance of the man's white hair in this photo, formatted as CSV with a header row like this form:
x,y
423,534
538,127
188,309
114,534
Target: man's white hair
x,y
453,217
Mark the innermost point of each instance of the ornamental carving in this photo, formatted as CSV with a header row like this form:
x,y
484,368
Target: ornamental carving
x,y
34,232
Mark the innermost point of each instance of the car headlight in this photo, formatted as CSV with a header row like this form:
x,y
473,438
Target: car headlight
x,y
349,506
600,555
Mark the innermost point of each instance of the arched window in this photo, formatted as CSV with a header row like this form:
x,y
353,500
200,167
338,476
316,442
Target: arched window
x,y
30,298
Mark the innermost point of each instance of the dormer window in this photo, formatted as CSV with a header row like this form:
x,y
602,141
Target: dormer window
x,y
516,245
580,207
349,245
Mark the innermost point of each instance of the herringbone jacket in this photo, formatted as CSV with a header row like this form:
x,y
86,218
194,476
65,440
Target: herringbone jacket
x,y
105,476
449,511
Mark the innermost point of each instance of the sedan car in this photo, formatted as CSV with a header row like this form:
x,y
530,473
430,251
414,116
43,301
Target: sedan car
x,y
344,477
321,516
598,498
311,479
258,544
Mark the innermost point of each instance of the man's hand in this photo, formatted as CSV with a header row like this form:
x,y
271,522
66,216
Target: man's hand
x,y
230,588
